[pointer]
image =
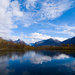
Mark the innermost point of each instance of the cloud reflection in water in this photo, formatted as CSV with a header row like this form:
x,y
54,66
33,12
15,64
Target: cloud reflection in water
x,y
37,58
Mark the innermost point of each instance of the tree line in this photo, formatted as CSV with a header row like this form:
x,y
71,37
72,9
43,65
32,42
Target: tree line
x,y
11,46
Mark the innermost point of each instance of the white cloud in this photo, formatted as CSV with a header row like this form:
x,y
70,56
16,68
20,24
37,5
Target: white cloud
x,y
30,4
15,9
15,57
34,37
61,56
52,9
31,38
7,11
10,13
59,29
6,23
27,25
48,9
37,58
39,36
59,38
16,37
66,29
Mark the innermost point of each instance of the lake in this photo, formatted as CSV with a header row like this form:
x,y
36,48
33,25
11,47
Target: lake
x,y
36,63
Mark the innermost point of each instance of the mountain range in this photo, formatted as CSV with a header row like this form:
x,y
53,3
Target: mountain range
x,y
48,42
53,42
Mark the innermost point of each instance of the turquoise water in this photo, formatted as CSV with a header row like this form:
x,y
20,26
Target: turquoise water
x,y
37,63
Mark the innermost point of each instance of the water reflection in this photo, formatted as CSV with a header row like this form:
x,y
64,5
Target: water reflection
x,y
37,58
37,63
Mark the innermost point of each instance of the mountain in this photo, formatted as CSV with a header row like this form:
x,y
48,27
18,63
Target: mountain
x,y
31,44
19,41
69,41
18,45
50,42
53,42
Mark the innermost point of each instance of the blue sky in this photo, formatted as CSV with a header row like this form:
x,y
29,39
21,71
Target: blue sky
x,y
35,20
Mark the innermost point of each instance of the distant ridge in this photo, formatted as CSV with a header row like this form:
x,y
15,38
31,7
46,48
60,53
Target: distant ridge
x,y
51,42
69,41
48,42
54,42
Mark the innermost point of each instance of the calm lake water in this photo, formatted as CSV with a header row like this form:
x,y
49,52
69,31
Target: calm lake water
x,y
37,63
